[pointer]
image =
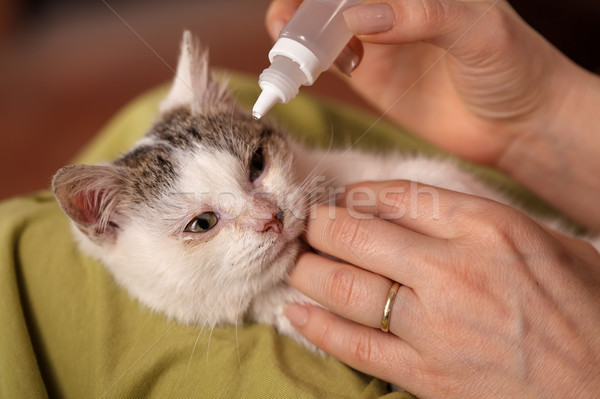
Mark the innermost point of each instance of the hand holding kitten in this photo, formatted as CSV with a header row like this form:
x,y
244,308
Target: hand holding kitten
x,y
491,304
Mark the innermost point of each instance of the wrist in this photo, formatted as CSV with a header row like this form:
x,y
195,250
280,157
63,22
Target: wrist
x,y
556,154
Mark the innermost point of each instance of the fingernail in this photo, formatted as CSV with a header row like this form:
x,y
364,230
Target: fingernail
x,y
276,28
296,314
347,61
369,18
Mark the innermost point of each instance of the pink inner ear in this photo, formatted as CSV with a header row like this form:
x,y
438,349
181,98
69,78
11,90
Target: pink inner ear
x,y
87,206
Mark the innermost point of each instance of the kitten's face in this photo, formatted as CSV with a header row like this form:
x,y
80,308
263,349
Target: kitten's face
x,y
233,197
202,215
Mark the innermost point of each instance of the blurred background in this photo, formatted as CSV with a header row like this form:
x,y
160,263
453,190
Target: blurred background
x,y
66,66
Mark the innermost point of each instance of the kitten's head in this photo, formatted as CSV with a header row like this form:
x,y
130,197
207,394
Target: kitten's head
x,y
202,214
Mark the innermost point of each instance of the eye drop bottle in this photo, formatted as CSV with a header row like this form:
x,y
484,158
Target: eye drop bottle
x,y
307,46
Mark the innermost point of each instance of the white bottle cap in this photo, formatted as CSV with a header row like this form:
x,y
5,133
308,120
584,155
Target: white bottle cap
x,y
301,55
292,65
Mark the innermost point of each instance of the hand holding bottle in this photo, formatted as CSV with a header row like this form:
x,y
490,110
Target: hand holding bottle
x,y
473,78
307,45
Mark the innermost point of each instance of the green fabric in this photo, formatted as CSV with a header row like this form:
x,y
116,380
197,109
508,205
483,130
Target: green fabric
x,y
68,331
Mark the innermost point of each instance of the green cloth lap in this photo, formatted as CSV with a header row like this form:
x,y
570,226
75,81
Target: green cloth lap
x,y
69,331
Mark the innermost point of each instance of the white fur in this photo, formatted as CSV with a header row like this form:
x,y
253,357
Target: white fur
x,y
205,282
193,85
181,92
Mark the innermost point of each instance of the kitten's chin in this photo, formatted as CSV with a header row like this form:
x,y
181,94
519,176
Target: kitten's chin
x,y
291,243
288,253
279,259
275,263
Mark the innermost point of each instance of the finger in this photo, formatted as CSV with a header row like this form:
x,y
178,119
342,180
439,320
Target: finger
x,y
440,22
376,245
350,57
371,351
428,210
278,14
356,294
344,289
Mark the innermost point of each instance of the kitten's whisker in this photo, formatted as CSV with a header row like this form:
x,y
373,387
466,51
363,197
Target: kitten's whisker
x,y
212,329
237,341
310,194
193,350
313,175
317,169
309,179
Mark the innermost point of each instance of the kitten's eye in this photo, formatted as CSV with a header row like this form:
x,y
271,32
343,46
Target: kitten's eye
x,y
202,223
257,164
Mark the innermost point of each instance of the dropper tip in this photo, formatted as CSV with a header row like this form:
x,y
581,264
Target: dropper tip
x,y
266,100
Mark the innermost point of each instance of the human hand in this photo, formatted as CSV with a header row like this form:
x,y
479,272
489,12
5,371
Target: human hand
x,y
469,76
491,303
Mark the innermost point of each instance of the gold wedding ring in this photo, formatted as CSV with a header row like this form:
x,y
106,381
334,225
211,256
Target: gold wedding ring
x,y
387,310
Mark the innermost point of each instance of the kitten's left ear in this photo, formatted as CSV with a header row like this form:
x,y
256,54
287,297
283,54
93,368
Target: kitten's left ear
x,y
91,196
193,84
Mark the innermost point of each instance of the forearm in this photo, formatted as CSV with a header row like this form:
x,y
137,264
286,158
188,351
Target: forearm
x,y
561,161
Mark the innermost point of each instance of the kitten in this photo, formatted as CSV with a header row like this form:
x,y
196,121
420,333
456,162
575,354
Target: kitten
x,y
202,219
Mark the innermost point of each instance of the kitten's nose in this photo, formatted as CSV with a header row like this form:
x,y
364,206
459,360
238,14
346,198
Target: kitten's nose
x,y
267,216
273,224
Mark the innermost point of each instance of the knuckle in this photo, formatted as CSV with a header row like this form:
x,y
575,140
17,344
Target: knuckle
x,y
341,288
498,18
499,28
491,222
364,348
504,227
500,24
394,200
432,13
352,233
323,338
489,227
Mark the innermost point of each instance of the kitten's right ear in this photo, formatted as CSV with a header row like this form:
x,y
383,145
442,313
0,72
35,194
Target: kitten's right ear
x,y
194,85
181,92
90,195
